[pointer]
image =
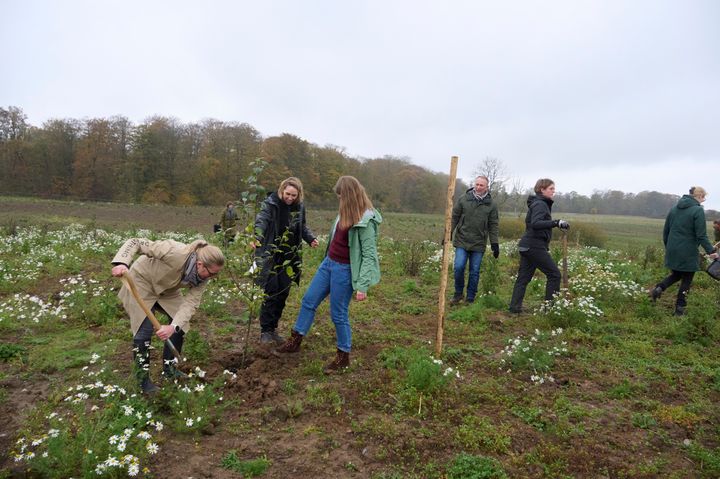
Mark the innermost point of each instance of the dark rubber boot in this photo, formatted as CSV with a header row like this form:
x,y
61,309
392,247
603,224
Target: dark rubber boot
x,y
341,361
141,359
292,345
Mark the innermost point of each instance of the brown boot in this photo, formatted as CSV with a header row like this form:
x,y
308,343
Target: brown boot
x,y
292,345
341,361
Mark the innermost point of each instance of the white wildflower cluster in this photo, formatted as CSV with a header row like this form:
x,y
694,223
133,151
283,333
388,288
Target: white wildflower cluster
x,y
29,308
535,353
583,306
598,272
124,447
448,371
76,291
217,295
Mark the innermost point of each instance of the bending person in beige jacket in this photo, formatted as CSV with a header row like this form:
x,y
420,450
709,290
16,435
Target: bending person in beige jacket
x,y
163,268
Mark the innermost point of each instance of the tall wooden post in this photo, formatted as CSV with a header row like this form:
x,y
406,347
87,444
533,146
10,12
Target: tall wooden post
x,y
446,256
565,281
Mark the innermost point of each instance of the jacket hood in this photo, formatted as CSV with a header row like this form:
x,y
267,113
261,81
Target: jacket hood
x,y
370,215
687,201
533,198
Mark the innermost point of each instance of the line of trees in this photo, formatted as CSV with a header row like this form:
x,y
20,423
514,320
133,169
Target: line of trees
x,y
164,161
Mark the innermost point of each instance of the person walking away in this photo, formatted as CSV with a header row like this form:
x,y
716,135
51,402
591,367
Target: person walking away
x,y
475,220
351,263
534,245
162,269
228,222
279,231
685,229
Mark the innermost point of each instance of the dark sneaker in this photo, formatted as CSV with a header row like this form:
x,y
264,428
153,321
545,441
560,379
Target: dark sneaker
x,y
679,310
266,337
655,293
456,299
516,310
277,338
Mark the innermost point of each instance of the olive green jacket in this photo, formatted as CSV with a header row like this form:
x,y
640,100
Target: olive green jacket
x,y
474,222
685,229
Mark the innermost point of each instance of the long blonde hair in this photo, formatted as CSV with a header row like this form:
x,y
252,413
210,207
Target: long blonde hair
x,y
209,254
353,201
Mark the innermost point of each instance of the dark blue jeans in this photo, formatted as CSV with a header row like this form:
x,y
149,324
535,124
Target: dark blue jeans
x,y
462,257
334,279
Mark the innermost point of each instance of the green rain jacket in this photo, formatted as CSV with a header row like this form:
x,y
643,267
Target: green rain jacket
x,y
364,260
474,222
685,229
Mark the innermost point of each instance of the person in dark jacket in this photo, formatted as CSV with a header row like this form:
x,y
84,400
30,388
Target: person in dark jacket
x,y
535,244
228,221
474,222
716,231
279,230
685,229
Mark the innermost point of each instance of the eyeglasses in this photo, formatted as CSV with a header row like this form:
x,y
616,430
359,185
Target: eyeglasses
x,y
209,273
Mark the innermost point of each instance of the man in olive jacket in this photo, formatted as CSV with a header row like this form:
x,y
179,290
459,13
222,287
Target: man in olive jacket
x,y
474,221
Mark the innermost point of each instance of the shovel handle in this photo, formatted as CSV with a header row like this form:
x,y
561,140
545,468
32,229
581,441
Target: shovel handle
x,y
156,324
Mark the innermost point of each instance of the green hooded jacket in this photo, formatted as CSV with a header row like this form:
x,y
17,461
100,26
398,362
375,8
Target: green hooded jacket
x,y
362,240
685,229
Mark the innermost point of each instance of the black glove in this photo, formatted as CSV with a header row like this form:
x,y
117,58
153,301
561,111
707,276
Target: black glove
x,y
495,249
562,224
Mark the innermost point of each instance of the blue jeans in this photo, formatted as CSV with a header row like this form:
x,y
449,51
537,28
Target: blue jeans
x,y
461,258
334,279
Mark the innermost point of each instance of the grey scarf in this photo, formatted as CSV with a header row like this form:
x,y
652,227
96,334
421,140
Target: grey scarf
x,y
190,276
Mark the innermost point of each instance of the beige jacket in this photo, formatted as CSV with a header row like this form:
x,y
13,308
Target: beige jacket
x,y
157,274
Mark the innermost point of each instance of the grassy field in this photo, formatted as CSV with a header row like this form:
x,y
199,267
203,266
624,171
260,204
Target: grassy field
x,y
602,385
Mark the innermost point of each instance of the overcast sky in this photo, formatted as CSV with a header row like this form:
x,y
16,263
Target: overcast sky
x,y
606,94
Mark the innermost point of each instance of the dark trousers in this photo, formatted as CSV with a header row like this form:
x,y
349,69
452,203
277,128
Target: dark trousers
x,y
141,342
535,258
277,289
685,278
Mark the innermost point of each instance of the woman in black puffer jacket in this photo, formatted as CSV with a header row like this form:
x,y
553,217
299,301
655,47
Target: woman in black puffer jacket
x,y
535,244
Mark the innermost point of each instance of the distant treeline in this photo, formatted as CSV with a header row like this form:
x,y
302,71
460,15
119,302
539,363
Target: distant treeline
x,y
611,202
165,161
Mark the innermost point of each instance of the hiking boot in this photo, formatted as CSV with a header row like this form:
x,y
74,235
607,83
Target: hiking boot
x,y
341,361
516,310
456,299
170,372
679,310
655,293
266,337
147,387
292,345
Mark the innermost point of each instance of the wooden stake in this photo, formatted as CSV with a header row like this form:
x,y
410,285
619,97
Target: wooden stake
x,y
446,256
565,281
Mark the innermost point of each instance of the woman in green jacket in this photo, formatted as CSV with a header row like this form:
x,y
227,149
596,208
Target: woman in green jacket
x,y
351,264
685,229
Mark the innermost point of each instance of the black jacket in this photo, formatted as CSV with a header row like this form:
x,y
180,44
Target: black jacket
x,y
274,250
538,223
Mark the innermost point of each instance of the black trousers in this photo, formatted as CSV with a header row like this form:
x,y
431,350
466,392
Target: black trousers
x,y
530,260
277,289
142,338
685,278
